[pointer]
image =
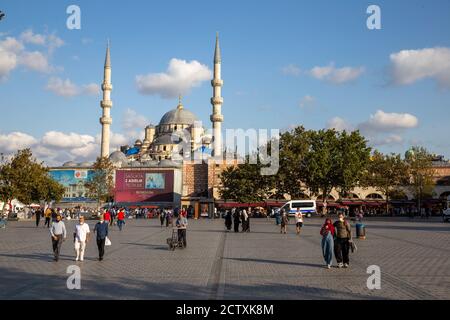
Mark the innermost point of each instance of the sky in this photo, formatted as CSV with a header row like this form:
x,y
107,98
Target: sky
x,y
284,64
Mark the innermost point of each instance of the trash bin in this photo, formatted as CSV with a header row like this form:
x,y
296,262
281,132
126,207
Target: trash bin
x,y
360,231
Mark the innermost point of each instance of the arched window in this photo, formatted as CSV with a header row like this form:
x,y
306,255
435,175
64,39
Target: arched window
x,y
374,196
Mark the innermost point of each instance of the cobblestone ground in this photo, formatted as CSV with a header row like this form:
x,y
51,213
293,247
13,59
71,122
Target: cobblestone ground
x,y
414,257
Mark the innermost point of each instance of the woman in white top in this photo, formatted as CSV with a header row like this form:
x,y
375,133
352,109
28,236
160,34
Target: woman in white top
x,y
298,220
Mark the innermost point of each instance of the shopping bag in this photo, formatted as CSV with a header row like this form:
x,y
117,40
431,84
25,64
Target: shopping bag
x,y
107,241
353,247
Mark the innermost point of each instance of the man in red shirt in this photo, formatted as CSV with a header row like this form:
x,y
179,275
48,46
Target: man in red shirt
x,y
121,218
107,216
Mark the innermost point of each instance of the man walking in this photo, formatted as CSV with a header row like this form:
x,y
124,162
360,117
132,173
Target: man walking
x,y
342,243
298,220
48,214
181,223
58,233
38,214
80,238
236,218
101,229
121,219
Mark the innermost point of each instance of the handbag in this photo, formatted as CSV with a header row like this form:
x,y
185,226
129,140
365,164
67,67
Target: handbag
x,y
107,241
353,246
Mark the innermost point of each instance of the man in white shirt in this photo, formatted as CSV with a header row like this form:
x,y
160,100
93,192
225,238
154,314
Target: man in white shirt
x,y
298,220
80,238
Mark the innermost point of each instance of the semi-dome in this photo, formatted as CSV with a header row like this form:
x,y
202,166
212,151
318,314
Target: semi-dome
x,y
118,156
178,116
167,139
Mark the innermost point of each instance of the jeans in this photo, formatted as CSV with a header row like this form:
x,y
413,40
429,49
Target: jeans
x,y
341,250
101,247
327,248
57,245
120,224
182,236
38,219
47,222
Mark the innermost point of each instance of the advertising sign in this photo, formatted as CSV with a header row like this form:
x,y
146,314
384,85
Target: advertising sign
x,y
144,186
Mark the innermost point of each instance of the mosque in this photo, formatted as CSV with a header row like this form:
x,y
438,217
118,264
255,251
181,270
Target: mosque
x,y
147,174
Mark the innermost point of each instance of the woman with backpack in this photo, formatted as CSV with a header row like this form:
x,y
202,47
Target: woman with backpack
x,y
327,232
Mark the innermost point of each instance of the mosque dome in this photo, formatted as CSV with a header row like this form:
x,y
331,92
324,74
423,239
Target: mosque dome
x,y
118,157
179,115
69,164
167,139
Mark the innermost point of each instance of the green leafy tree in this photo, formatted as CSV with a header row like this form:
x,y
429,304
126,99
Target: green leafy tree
x,y
421,173
244,182
293,145
334,160
101,186
25,179
387,173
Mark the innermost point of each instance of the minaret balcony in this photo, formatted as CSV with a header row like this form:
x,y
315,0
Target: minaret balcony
x,y
106,120
216,118
216,100
217,82
106,104
107,86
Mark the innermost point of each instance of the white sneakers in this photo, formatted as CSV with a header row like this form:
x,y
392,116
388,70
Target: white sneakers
x,y
345,265
340,265
328,266
77,258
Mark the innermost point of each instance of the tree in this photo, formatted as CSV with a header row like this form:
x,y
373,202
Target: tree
x,y
386,173
334,160
25,179
420,170
294,145
101,185
244,183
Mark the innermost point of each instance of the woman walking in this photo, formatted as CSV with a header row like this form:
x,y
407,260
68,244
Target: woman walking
x,y
228,220
284,222
298,221
237,221
327,232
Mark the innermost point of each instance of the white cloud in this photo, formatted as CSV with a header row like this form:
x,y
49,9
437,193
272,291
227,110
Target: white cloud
x,y
35,61
66,141
60,87
92,89
307,100
8,62
339,124
391,139
12,45
291,70
409,66
383,121
132,120
335,75
11,142
29,37
66,88
181,76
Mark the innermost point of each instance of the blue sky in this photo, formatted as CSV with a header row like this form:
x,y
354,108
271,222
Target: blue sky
x,y
284,63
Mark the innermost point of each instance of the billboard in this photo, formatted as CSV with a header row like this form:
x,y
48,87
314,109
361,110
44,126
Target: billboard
x,y
71,177
144,186
73,180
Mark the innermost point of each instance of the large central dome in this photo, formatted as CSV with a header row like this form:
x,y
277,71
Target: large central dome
x,y
178,116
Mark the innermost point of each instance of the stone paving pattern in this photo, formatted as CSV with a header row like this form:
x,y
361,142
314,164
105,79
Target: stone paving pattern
x,y
414,257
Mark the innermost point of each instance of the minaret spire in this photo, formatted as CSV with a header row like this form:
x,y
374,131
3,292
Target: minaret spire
x,y
217,101
106,104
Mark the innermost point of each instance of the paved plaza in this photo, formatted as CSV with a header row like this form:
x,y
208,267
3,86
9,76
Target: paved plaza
x,y
414,257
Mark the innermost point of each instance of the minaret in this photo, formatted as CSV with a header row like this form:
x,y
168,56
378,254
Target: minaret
x,y
217,101
106,105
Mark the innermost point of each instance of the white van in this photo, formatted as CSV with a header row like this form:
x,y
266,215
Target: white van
x,y
307,207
